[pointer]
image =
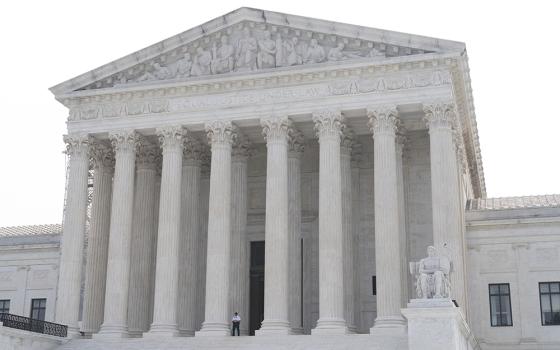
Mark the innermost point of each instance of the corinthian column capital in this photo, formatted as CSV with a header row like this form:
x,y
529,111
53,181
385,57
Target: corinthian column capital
x,y
328,123
296,142
101,155
383,120
221,131
171,136
347,142
192,149
440,115
242,148
77,144
276,128
147,154
124,140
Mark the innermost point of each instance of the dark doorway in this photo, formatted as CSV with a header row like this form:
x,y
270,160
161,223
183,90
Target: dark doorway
x,y
256,298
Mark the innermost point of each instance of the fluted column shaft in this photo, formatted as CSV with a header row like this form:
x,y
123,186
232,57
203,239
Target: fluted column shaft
x,y
446,196
71,250
98,240
331,241
276,298
143,235
348,245
203,242
189,257
118,262
356,207
216,315
169,229
239,269
387,248
296,147
400,139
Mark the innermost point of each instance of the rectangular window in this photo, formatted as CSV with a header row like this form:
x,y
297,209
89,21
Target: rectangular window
x,y
5,306
38,308
374,285
550,303
500,305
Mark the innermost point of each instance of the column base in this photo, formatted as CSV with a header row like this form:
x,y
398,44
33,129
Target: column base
x,y
274,327
297,331
352,329
111,331
73,332
213,329
162,330
135,333
186,332
389,326
330,326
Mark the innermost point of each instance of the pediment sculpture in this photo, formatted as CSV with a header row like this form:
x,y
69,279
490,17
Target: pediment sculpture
x,y
432,275
251,47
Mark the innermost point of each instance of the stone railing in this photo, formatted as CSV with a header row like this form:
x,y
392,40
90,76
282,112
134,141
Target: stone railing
x,y
543,201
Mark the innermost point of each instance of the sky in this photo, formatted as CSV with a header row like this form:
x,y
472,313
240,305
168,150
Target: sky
x,y
513,56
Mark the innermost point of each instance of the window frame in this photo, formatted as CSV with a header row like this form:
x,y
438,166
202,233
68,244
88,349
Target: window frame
x,y
549,294
499,295
38,308
2,303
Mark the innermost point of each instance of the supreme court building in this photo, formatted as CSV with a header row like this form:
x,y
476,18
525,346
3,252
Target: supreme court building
x,y
289,169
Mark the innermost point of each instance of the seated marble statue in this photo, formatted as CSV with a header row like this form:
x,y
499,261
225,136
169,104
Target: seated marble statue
x,y
432,275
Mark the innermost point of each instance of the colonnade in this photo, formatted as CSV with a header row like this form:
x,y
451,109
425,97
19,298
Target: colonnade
x,y
124,273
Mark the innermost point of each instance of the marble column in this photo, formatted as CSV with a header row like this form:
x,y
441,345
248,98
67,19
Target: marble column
x,y
276,297
347,232
98,241
203,227
329,126
164,322
143,235
356,157
295,152
216,313
239,268
446,193
72,247
401,140
118,262
383,122
155,215
189,256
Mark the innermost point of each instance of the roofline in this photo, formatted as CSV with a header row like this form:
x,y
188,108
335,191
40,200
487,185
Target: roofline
x,y
256,15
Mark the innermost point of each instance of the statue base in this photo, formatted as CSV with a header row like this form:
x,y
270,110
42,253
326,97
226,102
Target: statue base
x,y
437,324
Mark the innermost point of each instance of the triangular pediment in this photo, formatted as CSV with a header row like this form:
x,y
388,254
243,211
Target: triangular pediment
x,y
251,40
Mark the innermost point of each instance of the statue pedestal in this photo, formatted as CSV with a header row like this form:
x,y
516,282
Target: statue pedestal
x,y
436,324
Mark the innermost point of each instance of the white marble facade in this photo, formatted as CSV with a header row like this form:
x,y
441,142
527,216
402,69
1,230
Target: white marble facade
x,y
347,150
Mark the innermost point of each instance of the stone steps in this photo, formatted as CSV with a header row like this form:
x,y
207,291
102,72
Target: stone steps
x,y
294,342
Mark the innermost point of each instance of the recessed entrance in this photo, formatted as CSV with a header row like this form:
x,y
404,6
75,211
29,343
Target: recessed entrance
x,y
256,293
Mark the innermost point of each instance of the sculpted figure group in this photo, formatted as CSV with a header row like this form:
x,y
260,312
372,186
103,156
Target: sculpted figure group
x,y
247,53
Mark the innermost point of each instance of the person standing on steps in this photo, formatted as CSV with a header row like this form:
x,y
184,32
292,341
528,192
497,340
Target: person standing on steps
x,y
236,320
